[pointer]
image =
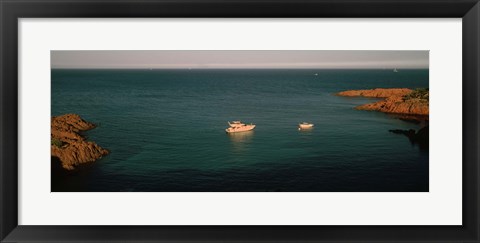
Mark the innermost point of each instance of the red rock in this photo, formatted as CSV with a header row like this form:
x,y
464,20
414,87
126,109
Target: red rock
x,y
376,93
394,102
74,149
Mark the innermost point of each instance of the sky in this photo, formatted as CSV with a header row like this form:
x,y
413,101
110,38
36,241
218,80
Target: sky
x,y
155,59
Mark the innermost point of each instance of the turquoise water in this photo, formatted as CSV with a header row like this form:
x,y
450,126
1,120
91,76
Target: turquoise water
x,y
165,131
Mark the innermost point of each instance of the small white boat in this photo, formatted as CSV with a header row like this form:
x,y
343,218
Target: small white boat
x,y
237,126
395,70
305,125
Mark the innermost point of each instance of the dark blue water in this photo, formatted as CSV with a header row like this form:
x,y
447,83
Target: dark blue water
x,y
165,131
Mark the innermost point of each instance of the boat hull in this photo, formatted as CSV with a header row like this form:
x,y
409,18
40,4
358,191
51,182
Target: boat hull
x,y
305,126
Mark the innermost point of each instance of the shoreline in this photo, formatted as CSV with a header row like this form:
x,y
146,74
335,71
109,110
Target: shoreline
x,y
412,104
69,146
401,103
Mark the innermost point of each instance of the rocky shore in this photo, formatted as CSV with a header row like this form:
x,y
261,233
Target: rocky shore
x,y
69,146
420,137
405,104
397,101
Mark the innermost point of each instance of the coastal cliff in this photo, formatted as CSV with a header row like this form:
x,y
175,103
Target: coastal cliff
x,y
398,101
69,146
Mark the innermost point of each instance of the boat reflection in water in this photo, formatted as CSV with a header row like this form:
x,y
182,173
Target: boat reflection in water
x,y
240,140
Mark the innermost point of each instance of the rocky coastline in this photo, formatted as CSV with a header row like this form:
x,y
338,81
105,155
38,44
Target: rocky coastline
x,y
69,146
405,104
396,101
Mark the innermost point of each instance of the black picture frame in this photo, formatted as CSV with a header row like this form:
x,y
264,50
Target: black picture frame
x,y
12,10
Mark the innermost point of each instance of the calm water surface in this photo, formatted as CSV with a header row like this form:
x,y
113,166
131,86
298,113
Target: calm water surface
x,y
165,131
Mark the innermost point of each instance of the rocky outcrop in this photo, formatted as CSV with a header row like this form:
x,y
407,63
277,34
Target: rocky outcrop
x,y
69,146
376,93
396,101
420,137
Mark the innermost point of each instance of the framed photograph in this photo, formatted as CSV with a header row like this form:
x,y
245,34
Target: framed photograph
x,y
176,121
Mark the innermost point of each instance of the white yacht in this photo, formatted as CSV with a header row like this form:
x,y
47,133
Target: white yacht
x,y
238,126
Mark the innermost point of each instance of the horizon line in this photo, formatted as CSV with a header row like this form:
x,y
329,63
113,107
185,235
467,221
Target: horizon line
x,y
242,68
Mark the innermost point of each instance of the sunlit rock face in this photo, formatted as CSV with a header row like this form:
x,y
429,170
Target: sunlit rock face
x,y
69,145
398,101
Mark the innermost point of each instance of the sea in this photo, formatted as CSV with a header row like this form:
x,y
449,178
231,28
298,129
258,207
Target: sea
x,y
165,130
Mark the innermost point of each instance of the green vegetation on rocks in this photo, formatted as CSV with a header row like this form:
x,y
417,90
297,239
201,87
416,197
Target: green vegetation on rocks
x,y
57,142
420,94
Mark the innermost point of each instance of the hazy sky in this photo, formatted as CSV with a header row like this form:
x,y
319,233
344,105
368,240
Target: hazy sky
x,y
239,59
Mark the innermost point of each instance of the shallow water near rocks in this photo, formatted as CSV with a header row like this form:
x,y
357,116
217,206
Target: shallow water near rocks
x,y
166,131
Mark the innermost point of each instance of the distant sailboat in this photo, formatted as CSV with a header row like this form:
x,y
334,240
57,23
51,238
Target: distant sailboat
x,y
316,74
395,70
